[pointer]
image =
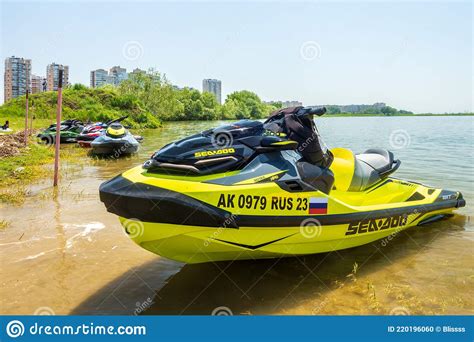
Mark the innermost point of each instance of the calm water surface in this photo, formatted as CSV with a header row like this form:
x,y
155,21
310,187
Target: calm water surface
x,y
65,254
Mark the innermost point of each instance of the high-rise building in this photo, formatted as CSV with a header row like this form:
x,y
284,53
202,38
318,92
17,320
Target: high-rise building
x,y
115,76
212,86
17,77
52,76
138,71
119,74
99,78
38,84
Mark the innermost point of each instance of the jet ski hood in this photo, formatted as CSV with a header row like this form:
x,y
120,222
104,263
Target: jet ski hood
x,y
224,140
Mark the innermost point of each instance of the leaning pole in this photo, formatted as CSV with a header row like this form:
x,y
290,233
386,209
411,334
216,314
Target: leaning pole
x,y
57,140
26,118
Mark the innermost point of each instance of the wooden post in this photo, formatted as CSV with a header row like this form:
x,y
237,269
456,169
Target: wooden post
x,y
57,141
32,115
26,117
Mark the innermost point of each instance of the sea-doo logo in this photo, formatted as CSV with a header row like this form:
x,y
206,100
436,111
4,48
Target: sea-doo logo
x,y
373,225
214,153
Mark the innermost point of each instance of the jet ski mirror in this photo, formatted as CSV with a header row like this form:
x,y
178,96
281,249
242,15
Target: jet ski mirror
x,y
276,143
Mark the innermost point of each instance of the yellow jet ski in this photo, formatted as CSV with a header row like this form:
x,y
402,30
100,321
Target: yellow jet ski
x,y
243,192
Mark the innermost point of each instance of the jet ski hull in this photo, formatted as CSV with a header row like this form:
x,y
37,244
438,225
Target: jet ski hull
x,y
64,137
85,143
111,148
87,137
197,221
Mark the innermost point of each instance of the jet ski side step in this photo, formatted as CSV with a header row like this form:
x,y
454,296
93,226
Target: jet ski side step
x,y
432,219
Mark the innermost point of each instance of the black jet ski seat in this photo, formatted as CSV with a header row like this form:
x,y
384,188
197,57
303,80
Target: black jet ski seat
x,y
359,172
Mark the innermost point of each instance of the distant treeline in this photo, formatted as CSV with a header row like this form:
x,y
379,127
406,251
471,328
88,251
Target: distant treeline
x,y
149,98
377,108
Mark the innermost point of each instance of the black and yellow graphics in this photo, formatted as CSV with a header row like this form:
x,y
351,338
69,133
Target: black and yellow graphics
x,y
220,152
373,225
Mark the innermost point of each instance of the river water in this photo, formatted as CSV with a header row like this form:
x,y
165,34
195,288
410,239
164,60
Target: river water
x,y
65,254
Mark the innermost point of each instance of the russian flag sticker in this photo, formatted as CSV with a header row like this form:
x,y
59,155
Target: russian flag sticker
x,y
318,205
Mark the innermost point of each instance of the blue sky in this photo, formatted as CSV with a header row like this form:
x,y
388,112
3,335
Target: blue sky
x,y
416,56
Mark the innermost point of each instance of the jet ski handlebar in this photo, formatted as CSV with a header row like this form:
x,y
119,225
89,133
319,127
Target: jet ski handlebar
x,y
305,111
116,120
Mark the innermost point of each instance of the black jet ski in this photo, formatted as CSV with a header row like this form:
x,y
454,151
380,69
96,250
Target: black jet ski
x,y
94,130
116,140
69,131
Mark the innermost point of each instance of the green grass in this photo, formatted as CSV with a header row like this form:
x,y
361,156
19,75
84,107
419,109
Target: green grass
x,y
18,123
16,172
33,163
23,167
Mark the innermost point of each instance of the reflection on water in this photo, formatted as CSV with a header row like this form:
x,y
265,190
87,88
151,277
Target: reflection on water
x,y
66,253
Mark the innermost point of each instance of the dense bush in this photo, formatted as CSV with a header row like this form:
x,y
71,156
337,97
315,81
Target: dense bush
x,y
84,103
148,98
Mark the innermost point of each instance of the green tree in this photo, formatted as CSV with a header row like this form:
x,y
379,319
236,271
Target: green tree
x,y
333,110
156,93
249,105
387,110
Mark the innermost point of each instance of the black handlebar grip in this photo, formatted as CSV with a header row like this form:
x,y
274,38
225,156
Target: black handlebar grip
x,y
317,111
311,111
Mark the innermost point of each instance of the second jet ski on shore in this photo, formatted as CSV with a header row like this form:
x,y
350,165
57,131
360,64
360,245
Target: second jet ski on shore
x,y
94,130
69,131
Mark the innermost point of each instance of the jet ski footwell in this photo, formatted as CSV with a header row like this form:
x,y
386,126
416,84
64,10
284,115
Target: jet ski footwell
x,y
194,221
